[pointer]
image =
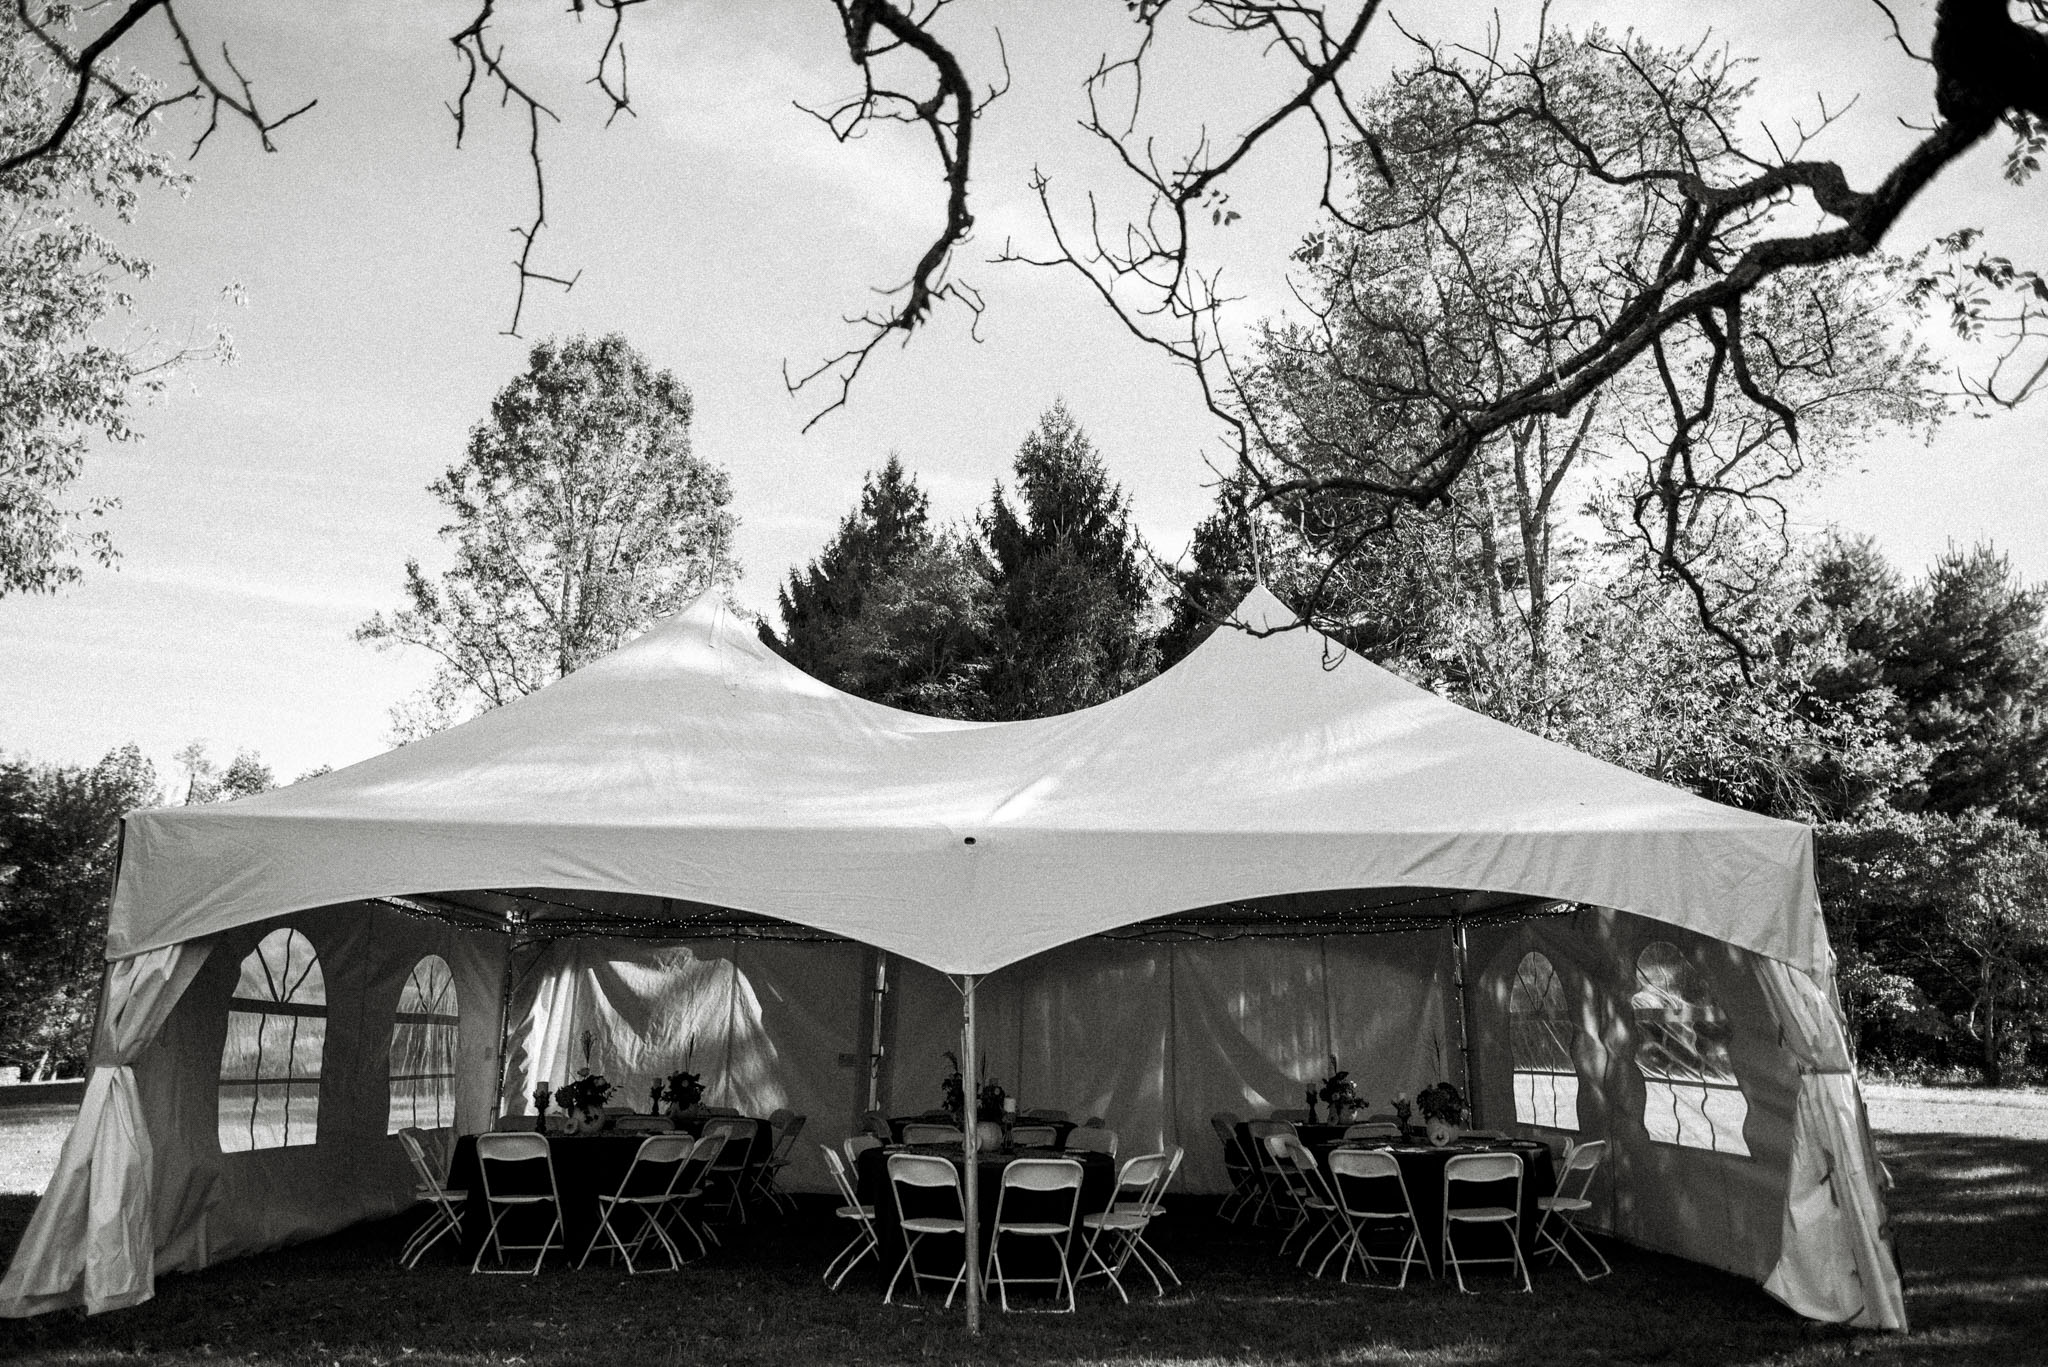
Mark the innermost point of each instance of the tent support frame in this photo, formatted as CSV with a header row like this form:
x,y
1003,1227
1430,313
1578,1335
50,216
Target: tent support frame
x,y
970,1192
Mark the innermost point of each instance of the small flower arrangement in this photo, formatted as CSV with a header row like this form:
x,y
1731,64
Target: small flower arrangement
x,y
989,1101
1441,1101
682,1092
1340,1092
954,1089
589,1089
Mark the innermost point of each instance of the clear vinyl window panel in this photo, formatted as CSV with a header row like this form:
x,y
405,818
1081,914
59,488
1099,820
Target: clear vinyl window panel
x,y
1691,1096
277,1032
1541,1037
423,1039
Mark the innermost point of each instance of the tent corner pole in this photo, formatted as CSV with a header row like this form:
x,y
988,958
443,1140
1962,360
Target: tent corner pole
x,y
970,1182
1458,974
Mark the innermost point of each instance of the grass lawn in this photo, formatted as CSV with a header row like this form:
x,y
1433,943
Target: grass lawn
x,y
1970,1209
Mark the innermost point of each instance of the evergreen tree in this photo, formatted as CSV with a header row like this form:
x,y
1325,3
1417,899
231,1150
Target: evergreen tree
x,y
1970,667
893,610
1068,624
891,525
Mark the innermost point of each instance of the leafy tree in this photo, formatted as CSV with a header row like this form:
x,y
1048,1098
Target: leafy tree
x,y
63,282
246,776
1947,913
58,844
579,514
1489,254
1068,626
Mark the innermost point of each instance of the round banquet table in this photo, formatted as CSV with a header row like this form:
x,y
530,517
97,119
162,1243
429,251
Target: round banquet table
x,y
1422,1171
1023,1258
586,1167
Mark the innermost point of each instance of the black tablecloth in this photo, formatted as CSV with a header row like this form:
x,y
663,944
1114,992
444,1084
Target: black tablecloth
x,y
586,1167
936,1253
1422,1170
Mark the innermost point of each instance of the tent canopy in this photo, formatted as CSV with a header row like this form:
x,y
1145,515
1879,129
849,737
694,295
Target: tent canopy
x,y
695,775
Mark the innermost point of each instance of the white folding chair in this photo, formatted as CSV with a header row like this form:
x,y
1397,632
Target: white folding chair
x,y
507,1194
729,1175
1316,1211
924,1172
1092,1139
648,1185
915,1133
865,1242
1035,1136
691,1186
1245,1186
1274,1192
1465,1169
787,1125
1365,1183
854,1145
874,1123
443,1202
1123,1222
1045,1178
1582,1161
1372,1129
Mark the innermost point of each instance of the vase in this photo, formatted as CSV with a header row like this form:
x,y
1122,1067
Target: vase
x,y
586,1120
988,1135
1441,1132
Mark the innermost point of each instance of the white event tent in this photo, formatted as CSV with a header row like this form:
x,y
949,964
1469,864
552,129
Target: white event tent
x,y
1190,898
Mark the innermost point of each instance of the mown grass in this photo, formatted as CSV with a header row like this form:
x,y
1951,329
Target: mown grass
x,y
1970,1213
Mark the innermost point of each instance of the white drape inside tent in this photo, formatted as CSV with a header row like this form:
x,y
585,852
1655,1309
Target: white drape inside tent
x,y
92,1240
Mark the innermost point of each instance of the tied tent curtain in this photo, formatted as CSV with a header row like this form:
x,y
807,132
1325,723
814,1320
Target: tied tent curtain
x,y
92,1240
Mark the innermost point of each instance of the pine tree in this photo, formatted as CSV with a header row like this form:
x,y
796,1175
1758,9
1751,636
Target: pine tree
x,y
1071,591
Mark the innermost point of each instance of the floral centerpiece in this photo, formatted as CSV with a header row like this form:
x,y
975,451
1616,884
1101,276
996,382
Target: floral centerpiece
x,y
955,1090
584,1100
1339,1092
1443,1108
681,1094
988,1102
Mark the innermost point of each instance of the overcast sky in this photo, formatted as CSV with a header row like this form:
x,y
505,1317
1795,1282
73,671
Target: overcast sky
x,y
271,504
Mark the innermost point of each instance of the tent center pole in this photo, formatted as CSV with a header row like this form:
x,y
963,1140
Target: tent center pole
x,y
1458,951
970,1182
876,1042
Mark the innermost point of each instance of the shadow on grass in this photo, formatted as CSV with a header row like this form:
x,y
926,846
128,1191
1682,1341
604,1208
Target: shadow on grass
x,y
1970,1213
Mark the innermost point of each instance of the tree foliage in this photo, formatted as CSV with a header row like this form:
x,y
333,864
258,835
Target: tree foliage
x,y
1068,626
1040,606
64,386
58,844
578,515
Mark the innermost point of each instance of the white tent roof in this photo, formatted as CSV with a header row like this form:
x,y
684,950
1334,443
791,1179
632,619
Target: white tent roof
x,y
694,764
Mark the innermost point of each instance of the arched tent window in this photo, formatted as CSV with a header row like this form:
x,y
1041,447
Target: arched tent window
x,y
1690,1093
270,1066
423,1049
1541,1036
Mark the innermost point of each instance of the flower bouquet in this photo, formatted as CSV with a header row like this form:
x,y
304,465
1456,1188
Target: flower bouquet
x,y
1443,1108
1340,1093
584,1100
682,1093
955,1090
